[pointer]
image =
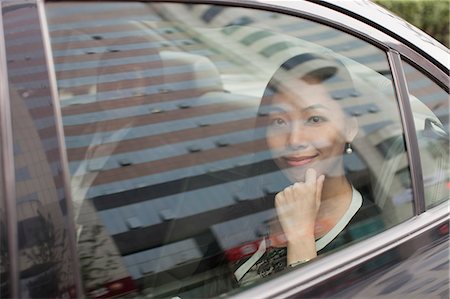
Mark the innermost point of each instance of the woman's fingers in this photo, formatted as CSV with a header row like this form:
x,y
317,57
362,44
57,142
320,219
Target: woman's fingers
x,y
311,188
310,177
319,187
298,204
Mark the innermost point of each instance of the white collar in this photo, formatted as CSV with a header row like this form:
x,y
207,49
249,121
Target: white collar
x,y
355,205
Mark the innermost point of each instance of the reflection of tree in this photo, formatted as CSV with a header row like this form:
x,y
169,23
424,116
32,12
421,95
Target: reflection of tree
x,y
97,262
46,277
430,16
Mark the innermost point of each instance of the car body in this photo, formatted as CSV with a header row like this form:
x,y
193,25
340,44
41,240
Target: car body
x,y
133,166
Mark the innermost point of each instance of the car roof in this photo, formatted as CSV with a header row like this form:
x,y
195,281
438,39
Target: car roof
x,y
385,21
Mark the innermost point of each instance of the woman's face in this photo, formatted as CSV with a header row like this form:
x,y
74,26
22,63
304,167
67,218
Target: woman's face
x,y
307,129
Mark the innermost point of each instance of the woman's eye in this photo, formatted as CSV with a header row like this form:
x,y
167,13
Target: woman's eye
x,y
278,122
316,119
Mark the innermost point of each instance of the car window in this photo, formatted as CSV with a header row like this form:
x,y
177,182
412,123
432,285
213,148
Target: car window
x,y
180,135
430,105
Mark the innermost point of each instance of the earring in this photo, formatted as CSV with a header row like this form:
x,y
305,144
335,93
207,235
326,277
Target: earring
x,y
348,148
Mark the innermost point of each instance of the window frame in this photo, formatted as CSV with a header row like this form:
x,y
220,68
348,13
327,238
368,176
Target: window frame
x,y
8,175
412,144
429,69
71,227
423,69
8,159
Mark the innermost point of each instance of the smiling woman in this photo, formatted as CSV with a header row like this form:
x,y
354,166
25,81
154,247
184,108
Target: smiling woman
x,y
309,127
308,133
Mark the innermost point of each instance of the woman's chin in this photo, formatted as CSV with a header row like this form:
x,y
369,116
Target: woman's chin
x,y
295,175
299,175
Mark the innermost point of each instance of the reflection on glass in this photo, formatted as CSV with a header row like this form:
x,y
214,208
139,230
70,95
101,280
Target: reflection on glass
x,y
45,263
430,106
172,177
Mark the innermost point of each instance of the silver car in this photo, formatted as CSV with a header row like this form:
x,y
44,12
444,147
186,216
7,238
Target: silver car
x,y
135,165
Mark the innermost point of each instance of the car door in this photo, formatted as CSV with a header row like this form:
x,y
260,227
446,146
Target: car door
x,y
149,112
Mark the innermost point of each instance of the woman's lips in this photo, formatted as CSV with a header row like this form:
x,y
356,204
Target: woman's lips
x,y
299,161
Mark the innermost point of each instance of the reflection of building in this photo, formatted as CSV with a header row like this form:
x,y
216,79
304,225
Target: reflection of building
x,y
43,256
160,139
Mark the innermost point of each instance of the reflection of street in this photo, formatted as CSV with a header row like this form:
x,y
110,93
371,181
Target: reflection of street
x,y
425,274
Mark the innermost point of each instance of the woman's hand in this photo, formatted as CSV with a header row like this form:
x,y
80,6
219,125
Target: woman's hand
x,y
297,207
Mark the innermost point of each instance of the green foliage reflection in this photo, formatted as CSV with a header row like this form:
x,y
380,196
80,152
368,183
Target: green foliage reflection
x,y
432,16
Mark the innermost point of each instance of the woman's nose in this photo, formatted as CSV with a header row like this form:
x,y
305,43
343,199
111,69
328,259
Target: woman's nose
x,y
297,138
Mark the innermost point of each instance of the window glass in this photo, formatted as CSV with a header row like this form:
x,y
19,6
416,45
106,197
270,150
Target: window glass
x,y
45,260
430,106
180,133
4,262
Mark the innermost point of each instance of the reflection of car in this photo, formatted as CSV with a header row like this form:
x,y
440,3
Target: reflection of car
x,y
133,166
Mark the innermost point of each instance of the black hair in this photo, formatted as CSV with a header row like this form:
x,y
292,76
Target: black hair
x,y
316,68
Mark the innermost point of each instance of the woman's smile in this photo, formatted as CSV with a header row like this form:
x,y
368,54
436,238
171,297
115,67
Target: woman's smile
x,y
296,161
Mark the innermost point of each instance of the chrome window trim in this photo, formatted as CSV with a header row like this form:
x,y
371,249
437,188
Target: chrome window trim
x,y
61,145
8,167
427,67
412,144
310,275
